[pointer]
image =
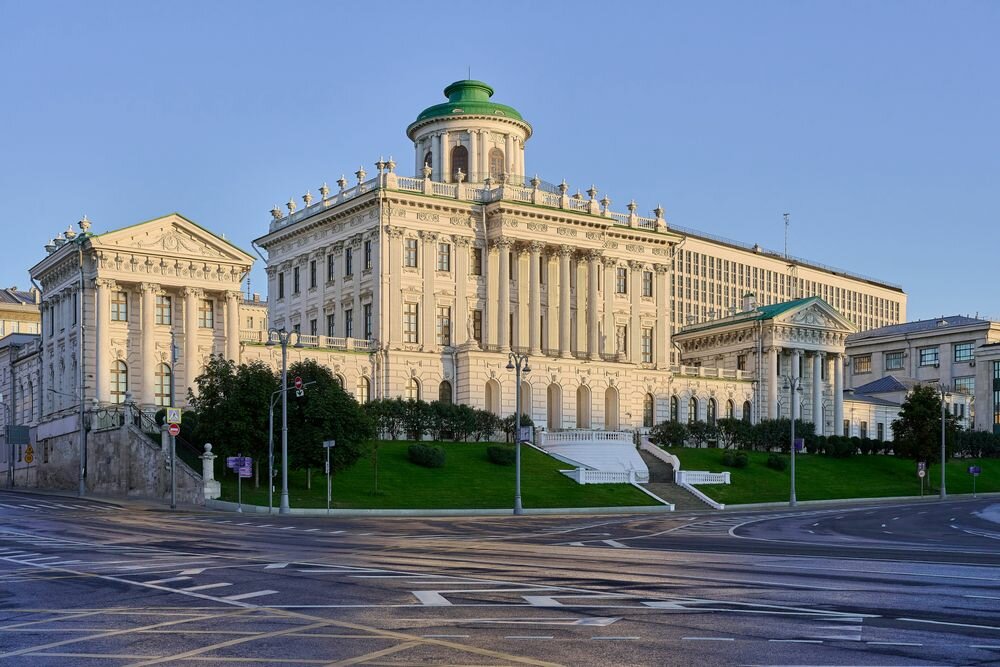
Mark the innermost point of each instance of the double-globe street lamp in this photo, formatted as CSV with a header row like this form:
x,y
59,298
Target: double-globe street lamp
x,y
283,338
793,384
519,364
943,389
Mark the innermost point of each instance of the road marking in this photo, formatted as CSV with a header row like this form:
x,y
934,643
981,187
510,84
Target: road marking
x,y
445,636
276,566
431,598
708,639
893,644
336,532
618,638
39,559
528,637
197,570
167,581
960,625
205,587
245,596
984,646
797,641
264,525
287,528
310,530
615,544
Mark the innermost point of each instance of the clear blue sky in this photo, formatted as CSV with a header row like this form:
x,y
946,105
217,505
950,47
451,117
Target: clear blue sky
x,y
873,123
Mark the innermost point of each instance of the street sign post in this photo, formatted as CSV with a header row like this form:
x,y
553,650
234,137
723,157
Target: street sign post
x,y
29,454
525,434
921,473
328,445
173,415
799,443
243,467
974,471
174,430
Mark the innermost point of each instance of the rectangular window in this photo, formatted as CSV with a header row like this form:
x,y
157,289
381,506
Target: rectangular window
x,y
410,253
929,356
313,328
348,262
312,274
541,270
411,322
206,314
75,306
894,360
330,273
477,326
444,257
741,362
477,261
647,283
864,429
331,325
862,364
368,255
444,325
249,323
880,431
163,308
295,280
847,427
367,313
621,280
348,323
119,306
647,346
966,385
964,351
281,285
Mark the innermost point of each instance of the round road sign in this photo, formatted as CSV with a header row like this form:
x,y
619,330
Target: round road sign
x,y
298,383
174,429
921,473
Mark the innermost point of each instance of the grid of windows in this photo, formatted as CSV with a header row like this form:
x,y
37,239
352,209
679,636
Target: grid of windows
x,y
647,410
206,314
281,285
929,356
368,255
364,389
477,261
295,280
880,431
119,381
966,385
367,314
647,346
674,408
330,271
348,262
647,283
349,322
621,280
119,306
894,360
412,392
163,309
411,322
996,396
313,327
410,253
964,351
477,326
444,325
312,273
162,390
862,363
444,257
331,325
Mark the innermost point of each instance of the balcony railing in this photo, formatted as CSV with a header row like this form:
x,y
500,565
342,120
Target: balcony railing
x,y
256,337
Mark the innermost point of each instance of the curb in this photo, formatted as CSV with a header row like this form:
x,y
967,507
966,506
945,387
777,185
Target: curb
x,y
861,501
227,506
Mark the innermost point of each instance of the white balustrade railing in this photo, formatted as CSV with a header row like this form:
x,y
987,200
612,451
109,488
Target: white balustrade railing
x,y
587,476
323,342
407,183
549,437
253,336
620,218
701,477
646,223
444,189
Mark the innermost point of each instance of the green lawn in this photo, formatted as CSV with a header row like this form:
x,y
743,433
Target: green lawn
x,y
468,480
824,478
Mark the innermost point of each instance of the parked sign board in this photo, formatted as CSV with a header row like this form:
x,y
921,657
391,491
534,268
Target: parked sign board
x,y
975,470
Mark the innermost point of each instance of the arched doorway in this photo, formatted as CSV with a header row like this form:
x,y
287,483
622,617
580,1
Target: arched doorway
x,y
611,409
459,160
730,409
444,391
493,397
746,411
674,409
692,410
554,416
648,410
583,406
526,399
711,412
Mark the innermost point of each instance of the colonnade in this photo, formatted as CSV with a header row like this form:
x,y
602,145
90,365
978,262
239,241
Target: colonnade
x,y
477,142
777,382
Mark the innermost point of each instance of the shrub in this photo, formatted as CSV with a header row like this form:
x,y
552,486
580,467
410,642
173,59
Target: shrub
x,y
668,434
502,455
777,462
428,456
732,459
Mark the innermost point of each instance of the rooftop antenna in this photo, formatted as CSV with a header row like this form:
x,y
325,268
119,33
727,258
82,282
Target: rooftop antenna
x,y
786,237
248,287
470,72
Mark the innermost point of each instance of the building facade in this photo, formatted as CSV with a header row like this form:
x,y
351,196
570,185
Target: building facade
x,y
19,311
420,287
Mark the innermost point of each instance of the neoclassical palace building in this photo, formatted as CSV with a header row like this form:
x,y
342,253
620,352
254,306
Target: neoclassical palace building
x,y
420,287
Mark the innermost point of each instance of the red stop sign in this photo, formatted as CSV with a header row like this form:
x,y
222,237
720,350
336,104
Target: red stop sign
x,y
174,429
298,383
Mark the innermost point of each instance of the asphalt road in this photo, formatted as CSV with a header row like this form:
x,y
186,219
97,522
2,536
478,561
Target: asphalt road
x,y
90,583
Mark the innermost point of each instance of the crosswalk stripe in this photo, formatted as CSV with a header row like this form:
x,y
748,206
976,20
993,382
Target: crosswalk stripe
x,y
244,596
205,587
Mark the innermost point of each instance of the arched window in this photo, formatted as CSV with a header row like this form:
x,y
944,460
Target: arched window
x,y
647,410
692,410
339,381
364,389
746,411
412,390
161,391
526,398
119,381
496,163
444,392
674,409
492,396
611,409
583,406
459,160
554,408
711,411
429,159
730,409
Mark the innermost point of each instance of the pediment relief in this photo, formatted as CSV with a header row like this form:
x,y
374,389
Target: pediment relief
x,y
818,315
172,236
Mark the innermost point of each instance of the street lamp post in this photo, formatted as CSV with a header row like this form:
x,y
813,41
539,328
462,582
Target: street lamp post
x,y
282,337
944,391
793,384
519,364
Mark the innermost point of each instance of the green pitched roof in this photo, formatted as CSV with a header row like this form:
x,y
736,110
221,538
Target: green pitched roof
x,y
469,97
762,313
775,309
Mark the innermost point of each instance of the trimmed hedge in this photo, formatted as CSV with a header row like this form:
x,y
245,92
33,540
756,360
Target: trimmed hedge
x,y
777,462
428,456
502,455
733,459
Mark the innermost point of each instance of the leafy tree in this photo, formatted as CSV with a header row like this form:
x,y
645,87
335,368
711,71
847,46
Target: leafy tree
x,y
733,433
507,423
232,408
668,434
701,433
487,424
417,419
387,414
771,433
917,431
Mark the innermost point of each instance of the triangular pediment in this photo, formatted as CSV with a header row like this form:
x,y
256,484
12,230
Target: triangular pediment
x,y
172,236
816,313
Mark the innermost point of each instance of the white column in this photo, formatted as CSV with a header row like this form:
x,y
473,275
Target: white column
x,y
635,278
436,157
817,397
474,148
428,246
233,326
490,336
102,319
445,158
793,393
838,394
484,155
772,382
503,301
460,333
661,343
593,295
148,344
564,307
394,264
535,300
520,157
191,366
508,156
609,304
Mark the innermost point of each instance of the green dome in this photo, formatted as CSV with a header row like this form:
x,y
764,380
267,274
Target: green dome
x,y
466,98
